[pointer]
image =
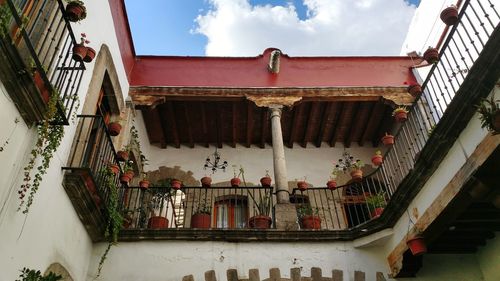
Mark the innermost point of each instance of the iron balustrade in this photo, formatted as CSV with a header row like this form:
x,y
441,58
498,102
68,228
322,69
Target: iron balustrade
x,y
229,207
45,40
93,152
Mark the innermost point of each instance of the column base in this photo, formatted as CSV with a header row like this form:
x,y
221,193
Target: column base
x,y
286,217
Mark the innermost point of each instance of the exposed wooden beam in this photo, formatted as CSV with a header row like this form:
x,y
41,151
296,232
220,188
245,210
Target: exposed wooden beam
x,y
352,123
173,124
154,126
234,125
265,126
218,124
372,125
340,111
204,124
295,125
385,126
311,122
329,107
250,123
188,125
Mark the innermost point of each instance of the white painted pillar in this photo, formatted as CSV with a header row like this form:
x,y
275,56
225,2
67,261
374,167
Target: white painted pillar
x,y
279,162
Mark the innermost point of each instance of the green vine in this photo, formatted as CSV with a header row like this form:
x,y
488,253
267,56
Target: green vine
x,y
35,275
49,138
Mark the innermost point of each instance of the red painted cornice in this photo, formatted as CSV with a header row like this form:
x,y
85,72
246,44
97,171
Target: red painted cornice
x,y
123,34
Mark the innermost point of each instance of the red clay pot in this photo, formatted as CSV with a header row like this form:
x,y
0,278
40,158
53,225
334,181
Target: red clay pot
x,y
90,55
415,90
417,245
302,185
122,155
44,92
206,181
130,173
74,11
125,178
115,169
357,175
377,212
176,184
144,184
157,222
200,220
377,160
79,52
431,55
449,15
388,140
265,181
401,116
311,222
331,184
235,182
260,222
114,128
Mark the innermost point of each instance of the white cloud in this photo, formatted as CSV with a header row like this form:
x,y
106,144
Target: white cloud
x,y
332,28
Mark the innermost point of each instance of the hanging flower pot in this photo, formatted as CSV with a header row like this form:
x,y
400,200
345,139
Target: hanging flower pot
x,y
176,184
417,245
114,128
235,182
302,185
377,159
144,184
388,140
331,184
115,169
206,181
79,52
157,222
130,174
356,175
75,11
400,114
200,220
260,222
122,155
125,178
265,181
449,15
89,55
415,90
40,84
311,222
431,55
377,212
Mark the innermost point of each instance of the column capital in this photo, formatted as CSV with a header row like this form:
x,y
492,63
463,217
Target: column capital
x,y
273,101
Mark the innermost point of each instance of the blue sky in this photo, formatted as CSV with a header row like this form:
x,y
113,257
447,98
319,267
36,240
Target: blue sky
x,y
203,27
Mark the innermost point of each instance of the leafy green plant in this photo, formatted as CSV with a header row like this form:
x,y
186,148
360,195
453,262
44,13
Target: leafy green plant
x,y
376,200
203,207
35,275
49,139
399,109
306,210
489,114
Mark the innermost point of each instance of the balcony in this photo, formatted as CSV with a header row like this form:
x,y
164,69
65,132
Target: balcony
x,y
36,46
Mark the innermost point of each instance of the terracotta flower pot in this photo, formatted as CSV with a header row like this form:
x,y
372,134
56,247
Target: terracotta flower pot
x,y
125,178
377,212
176,184
431,55
388,140
75,12
302,185
115,169
114,128
235,182
449,15
89,55
79,52
40,84
157,222
417,245
206,181
311,222
200,220
265,181
357,175
260,222
377,160
130,174
144,184
122,155
331,184
400,116
415,90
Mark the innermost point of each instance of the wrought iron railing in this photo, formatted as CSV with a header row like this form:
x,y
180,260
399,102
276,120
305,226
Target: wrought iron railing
x,y
165,207
45,40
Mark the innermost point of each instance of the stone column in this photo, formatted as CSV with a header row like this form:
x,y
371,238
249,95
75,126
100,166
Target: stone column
x,y
282,195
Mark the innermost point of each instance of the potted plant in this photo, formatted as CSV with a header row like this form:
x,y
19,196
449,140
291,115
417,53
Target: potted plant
x,y
331,184
348,164
417,244
489,114
80,50
75,11
114,128
376,202
176,184
388,139
266,180
262,205
377,159
431,55
400,114
235,181
90,55
356,172
144,183
415,90
115,169
201,216
122,155
449,15
206,181
36,275
158,202
309,217
302,184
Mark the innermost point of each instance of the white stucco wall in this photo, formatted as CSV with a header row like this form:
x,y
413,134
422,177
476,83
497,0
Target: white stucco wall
x,y
52,231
